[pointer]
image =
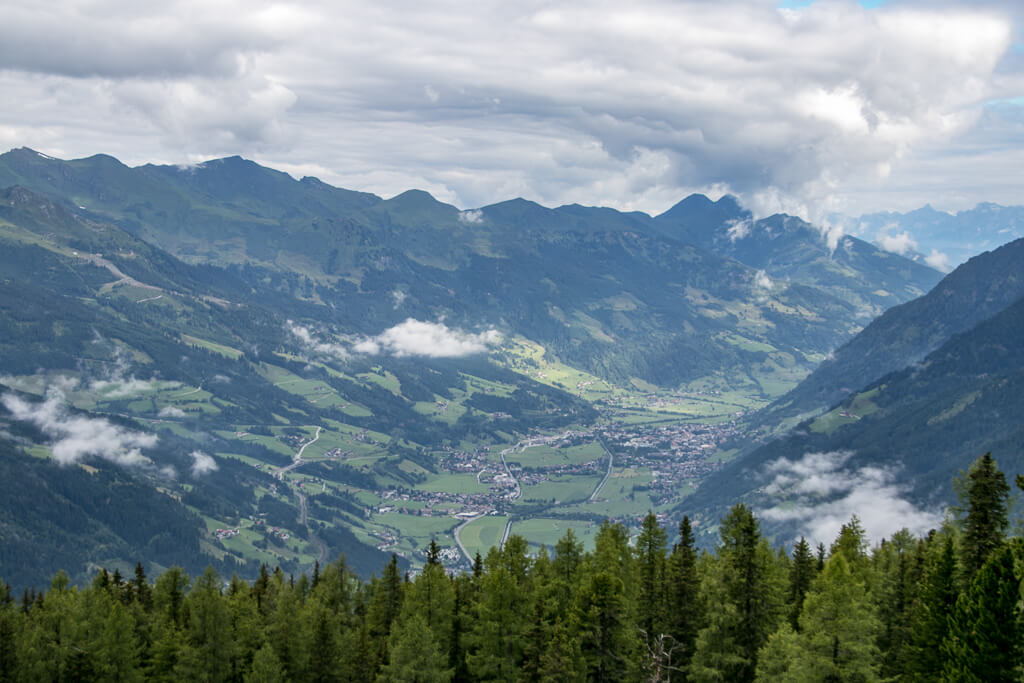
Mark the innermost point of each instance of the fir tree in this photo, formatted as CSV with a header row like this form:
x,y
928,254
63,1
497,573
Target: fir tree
x,y
986,520
801,573
416,656
930,625
650,567
685,613
746,596
984,642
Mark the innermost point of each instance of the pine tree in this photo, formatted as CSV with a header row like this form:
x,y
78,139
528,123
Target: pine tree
x,y
496,638
386,595
685,613
266,667
415,655
141,591
838,627
746,595
650,569
898,566
802,572
985,523
930,624
209,627
607,638
985,641
117,653
562,661
432,596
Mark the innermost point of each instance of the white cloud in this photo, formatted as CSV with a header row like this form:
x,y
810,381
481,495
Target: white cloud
x,y
434,340
824,493
116,382
471,217
739,228
399,297
121,388
938,260
827,106
76,437
900,243
311,342
171,411
202,463
763,281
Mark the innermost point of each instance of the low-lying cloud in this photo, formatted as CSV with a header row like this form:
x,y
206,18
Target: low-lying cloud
x,y
117,382
433,340
312,343
202,463
471,217
171,411
76,437
825,492
901,243
938,260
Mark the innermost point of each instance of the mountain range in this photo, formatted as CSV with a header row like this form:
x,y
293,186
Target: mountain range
x,y
289,370
944,237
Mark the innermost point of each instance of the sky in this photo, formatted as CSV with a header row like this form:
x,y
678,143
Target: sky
x,y
806,107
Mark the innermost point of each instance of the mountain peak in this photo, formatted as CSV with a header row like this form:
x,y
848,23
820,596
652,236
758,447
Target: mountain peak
x,y
700,209
415,197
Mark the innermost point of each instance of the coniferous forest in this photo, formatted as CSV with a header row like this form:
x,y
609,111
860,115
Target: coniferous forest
x,y
946,606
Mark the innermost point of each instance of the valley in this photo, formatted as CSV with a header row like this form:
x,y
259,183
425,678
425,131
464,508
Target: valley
x,y
311,372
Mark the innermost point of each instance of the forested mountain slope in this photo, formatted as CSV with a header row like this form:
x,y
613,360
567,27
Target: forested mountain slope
x,y
912,430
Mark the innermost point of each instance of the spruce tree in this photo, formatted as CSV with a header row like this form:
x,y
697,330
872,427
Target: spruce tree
x,y
838,627
416,656
986,520
746,594
685,613
930,624
801,573
985,642
650,568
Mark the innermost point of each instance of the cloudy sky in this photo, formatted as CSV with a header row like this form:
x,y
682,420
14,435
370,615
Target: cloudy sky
x,y
807,107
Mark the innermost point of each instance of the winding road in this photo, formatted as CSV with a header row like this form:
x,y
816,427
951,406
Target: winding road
x,y
281,471
303,514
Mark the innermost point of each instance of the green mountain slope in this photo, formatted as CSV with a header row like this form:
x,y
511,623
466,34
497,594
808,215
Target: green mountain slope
x,y
916,427
614,294
905,334
312,371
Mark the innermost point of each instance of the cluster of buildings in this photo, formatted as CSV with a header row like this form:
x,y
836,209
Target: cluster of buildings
x,y
676,454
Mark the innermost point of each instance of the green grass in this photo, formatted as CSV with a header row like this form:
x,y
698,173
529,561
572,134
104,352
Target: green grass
x,y
482,534
453,483
859,407
226,351
548,531
562,489
546,456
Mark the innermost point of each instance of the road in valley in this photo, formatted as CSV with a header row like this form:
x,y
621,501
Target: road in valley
x,y
458,538
597,490
281,471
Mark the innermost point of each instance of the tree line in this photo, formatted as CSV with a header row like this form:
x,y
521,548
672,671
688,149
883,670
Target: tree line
x,y
945,606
